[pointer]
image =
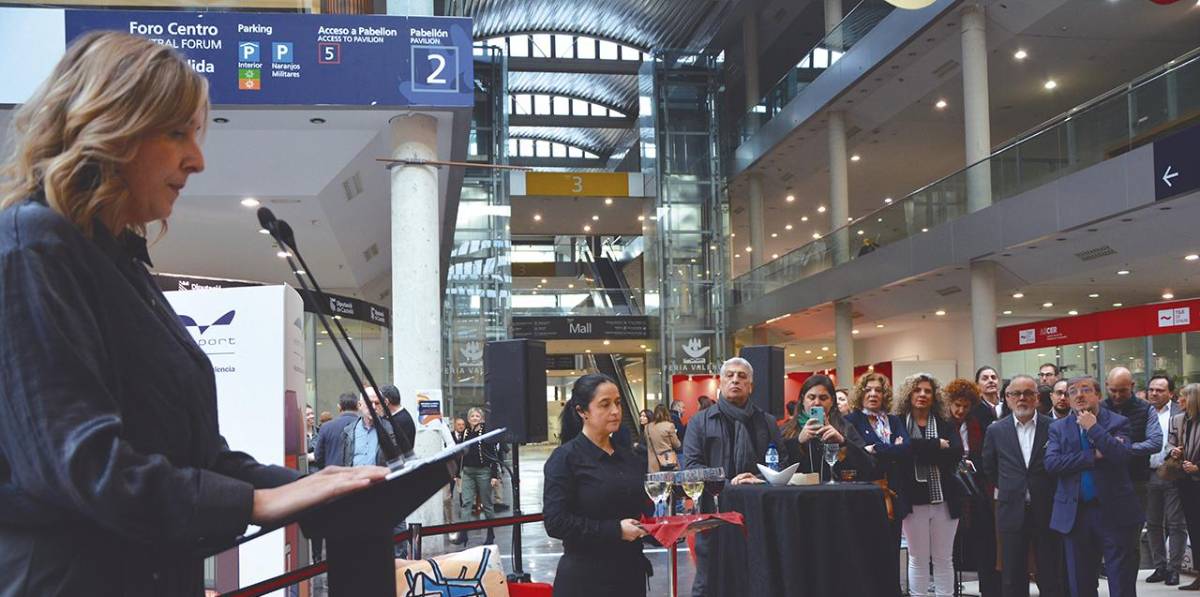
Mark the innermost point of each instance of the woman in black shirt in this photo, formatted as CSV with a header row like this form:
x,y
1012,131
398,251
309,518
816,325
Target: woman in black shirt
x,y
805,438
593,496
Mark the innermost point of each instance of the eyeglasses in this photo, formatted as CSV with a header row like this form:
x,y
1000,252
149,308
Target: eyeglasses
x,y
1025,394
1047,374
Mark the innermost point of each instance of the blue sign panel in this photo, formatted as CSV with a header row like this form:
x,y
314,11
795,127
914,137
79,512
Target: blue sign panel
x,y
293,59
1177,163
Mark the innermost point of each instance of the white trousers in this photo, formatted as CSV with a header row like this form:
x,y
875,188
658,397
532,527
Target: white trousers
x,y
929,531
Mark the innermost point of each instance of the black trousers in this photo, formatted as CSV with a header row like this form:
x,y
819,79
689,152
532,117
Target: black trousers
x,y
1048,553
1189,494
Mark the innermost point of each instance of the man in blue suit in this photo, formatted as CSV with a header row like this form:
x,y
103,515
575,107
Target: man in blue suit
x,y
1094,504
330,444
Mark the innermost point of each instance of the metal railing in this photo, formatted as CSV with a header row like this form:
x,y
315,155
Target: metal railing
x,y
569,301
1147,108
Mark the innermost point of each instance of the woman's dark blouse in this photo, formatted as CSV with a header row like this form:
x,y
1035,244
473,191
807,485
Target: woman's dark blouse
x,y
587,493
110,456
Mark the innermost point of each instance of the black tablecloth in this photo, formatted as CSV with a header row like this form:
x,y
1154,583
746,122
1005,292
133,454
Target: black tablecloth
x,y
818,540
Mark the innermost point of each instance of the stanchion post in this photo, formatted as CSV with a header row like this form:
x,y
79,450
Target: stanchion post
x,y
671,555
414,540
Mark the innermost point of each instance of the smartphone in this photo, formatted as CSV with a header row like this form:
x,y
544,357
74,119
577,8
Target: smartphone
x,y
817,414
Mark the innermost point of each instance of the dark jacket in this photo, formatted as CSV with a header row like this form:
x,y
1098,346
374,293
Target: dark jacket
x,y
889,457
709,434
1145,435
482,454
348,434
330,445
930,452
1066,459
852,455
405,430
112,468
1004,462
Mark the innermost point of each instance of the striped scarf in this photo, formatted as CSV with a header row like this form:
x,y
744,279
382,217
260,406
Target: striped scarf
x,y
927,473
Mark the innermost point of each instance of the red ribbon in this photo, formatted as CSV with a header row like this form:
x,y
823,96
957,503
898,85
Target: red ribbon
x,y
669,529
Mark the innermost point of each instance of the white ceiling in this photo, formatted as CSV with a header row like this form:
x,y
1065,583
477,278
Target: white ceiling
x,y
905,142
296,168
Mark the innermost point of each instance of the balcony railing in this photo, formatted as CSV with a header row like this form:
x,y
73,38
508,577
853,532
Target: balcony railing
x,y
1132,115
568,302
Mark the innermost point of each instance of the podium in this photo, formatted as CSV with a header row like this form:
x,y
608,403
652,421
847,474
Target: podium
x,y
358,527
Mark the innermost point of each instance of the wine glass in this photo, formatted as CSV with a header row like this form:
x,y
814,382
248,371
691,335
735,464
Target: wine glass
x,y
693,486
657,486
831,454
714,482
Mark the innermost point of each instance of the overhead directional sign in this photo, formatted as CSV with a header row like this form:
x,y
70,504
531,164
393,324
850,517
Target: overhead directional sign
x,y
269,59
578,184
1177,164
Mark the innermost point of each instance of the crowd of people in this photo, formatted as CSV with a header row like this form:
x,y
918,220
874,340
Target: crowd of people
x,y
1030,479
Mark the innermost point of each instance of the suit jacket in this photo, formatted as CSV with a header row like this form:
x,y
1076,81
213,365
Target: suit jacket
x,y
330,444
1179,439
707,440
889,457
403,421
1145,436
1173,408
1003,462
348,444
1066,458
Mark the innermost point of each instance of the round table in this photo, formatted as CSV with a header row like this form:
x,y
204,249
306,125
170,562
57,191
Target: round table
x,y
815,540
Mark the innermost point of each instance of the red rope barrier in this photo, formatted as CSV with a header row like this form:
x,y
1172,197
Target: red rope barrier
x,y
301,574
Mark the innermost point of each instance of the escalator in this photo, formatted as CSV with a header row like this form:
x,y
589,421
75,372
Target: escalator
x,y
610,276
613,366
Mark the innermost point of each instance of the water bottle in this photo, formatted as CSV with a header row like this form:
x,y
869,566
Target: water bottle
x,y
772,457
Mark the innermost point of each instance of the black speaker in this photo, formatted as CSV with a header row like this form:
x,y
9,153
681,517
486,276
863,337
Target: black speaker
x,y
769,375
514,386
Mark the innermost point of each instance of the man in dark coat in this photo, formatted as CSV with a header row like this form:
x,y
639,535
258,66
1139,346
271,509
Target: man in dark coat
x,y
330,446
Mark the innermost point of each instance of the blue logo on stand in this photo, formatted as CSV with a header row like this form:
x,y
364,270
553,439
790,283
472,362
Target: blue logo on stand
x,y
190,322
281,52
248,51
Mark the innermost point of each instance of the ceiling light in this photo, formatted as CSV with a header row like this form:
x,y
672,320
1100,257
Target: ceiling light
x,y
879,325
1168,296
737,256
803,218
543,280
1122,272
855,158
820,209
816,235
1094,295
774,235
283,254
587,228
749,249
641,345
860,232
819,357
537,217
641,218
792,355
887,200
250,202
1192,257
774,255
732,235
263,231
608,201
924,230
789,226
595,218
607,342
1020,54
825,348
941,104
791,198
1018,295
853,331
1007,313
1072,312
1049,84
849,218
587,350
939,312
570,286
1047,305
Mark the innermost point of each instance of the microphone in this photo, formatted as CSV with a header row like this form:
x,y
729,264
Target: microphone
x,y
282,232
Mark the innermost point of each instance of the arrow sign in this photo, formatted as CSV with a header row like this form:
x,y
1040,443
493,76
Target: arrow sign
x,y
1177,164
1168,175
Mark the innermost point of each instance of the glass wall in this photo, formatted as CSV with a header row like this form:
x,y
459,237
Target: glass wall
x,y
1176,355
326,376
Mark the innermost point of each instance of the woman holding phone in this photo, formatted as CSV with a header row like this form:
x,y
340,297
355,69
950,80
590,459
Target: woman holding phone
x,y
816,424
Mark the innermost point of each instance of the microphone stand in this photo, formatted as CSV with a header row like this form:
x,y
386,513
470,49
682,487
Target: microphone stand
x,y
281,231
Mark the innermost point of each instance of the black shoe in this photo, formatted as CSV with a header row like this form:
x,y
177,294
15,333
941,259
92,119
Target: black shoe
x,y
1172,578
491,538
1195,586
1158,576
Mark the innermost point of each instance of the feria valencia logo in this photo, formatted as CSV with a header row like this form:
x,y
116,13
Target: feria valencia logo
x,y
695,349
472,352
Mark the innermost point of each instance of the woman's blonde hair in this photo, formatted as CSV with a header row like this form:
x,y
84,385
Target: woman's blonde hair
x,y
1192,393
903,404
860,390
109,91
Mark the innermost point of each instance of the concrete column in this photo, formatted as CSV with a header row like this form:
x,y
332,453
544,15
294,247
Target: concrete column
x,y
416,281
833,16
757,226
977,123
839,186
983,314
750,58
843,336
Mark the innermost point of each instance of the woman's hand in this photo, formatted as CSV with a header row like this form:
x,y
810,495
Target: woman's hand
x,y
745,479
631,530
830,435
1190,467
870,449
1176,453
899,441
495,483
810,430
944,444
276,504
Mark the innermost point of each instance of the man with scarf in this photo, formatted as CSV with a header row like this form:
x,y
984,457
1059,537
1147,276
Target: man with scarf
x,y
734,435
